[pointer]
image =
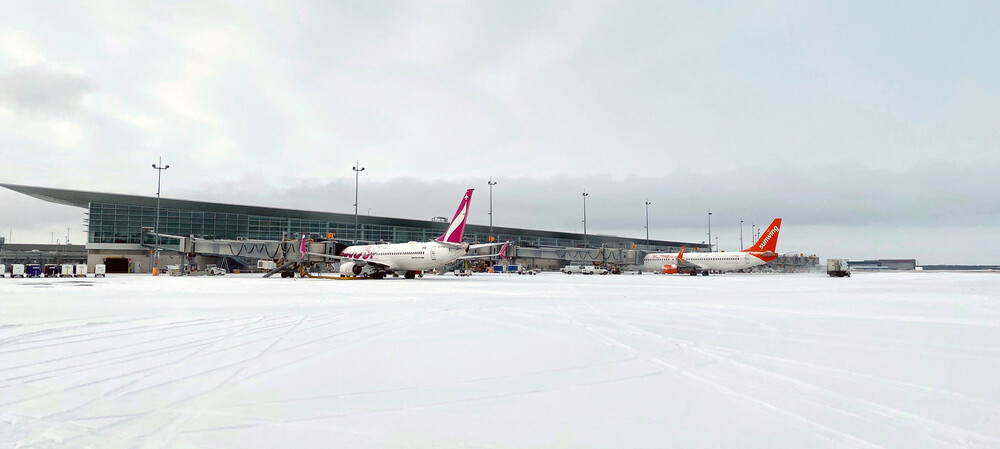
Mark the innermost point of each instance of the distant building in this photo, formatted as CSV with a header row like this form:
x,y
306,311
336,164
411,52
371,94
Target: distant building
x,y
960,267
883,264
42,254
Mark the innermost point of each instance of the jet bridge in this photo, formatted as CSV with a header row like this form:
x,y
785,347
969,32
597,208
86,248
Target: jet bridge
x,y
601,255
287,251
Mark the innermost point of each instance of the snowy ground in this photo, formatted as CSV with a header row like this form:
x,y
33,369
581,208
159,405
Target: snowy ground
x,y
892,360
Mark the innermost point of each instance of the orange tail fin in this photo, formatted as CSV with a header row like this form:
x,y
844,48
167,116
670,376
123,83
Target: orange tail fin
x,y
768,239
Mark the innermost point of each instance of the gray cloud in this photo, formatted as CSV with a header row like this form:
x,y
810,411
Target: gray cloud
x,y
41,89
811,111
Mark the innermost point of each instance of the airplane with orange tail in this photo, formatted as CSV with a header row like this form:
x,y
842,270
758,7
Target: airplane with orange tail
x,y
693,263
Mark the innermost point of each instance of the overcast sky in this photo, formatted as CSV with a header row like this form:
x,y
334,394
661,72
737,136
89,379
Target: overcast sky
x,y
870,127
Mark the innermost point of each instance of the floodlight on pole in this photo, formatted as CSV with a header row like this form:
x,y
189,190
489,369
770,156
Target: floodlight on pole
x,y
647,223
585,195
156,225
741,233
491,183
357,176
709,231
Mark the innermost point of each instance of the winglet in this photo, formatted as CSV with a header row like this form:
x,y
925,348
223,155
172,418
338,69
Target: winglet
x,y
503,251
302,245
457,227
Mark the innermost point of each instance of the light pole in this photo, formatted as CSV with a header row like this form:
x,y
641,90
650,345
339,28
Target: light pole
x,y
716,243
741,233
491,183
357,175
709,231
585,195
647,223
156,226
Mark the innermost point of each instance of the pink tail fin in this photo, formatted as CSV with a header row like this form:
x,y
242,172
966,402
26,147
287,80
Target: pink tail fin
x,y
302,246
503,251
457,227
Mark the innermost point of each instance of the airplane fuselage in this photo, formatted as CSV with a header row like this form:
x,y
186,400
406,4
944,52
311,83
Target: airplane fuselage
x,y
410,256
714,261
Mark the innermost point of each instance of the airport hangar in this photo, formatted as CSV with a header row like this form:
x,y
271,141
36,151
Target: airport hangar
x,y
119,231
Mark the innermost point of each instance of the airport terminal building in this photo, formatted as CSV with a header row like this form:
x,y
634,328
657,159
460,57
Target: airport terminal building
x,y
118,226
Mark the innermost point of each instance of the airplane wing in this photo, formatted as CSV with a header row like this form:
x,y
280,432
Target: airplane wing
x,y
349,259
683,263
486,245
501,253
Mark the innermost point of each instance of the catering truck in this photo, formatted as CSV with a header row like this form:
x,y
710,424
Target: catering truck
x,y
838,268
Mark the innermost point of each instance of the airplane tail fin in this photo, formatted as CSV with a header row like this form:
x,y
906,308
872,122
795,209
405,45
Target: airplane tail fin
x,y
768,241
680,255
302,245
503,251
457,227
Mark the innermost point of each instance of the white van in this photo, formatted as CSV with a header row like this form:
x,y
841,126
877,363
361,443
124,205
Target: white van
x,y
99,270
3,270
81,270
583,269
67,270
17,270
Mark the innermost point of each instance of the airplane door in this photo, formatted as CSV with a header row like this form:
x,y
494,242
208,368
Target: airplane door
x,y
433,255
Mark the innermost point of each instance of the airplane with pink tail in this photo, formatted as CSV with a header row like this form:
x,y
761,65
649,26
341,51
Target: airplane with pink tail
x,y
412,258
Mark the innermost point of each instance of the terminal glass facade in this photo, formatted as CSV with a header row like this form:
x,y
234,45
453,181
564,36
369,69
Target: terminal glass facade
x,y
116,219
123,223
132,223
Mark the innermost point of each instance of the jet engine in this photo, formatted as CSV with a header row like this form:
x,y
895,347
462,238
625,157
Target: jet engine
x,y
670,269
350,269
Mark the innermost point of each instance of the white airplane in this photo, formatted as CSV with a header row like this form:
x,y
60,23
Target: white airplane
x,y
692,263
412,258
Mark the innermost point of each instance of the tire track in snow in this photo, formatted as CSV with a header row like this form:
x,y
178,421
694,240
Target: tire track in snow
x,y
98,432
826,338
130,357
824,431
174,406
118,347
933,430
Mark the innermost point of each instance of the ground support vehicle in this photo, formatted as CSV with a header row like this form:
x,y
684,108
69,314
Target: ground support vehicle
x,y
838,268
583,269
